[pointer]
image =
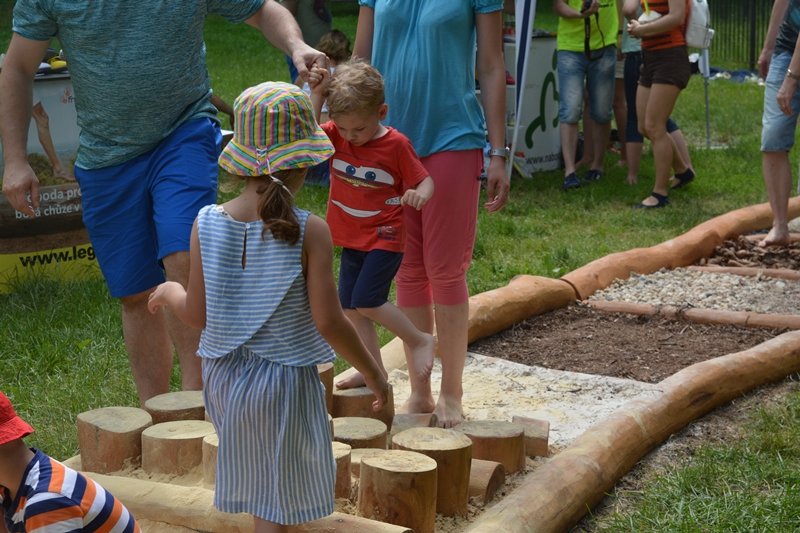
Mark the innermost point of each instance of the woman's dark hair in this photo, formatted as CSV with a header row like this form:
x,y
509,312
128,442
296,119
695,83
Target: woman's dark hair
x,y
276,205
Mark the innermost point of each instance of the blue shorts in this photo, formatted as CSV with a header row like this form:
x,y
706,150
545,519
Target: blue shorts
x,y
596,74
777,133
366,277
141,211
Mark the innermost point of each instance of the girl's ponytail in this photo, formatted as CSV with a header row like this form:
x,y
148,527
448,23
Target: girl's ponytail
x,y
276,205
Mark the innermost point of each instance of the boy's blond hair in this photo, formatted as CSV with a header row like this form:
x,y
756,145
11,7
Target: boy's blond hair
x,y
335,45
356,86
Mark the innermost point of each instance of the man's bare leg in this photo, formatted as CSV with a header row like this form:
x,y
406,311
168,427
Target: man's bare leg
x,y
778,180
185,339
452,322
420,400
148,346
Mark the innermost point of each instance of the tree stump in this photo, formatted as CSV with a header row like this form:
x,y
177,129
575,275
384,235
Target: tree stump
x,y
404,421
325,371
173,406
110,437
357,454
358,402
537,435
399,487
485,479
452,451
360,432
495,440
174,447
341,453
210,447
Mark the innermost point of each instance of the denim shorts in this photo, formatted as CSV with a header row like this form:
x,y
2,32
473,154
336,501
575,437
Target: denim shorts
x,y
777,133
366,277
141,211
596,74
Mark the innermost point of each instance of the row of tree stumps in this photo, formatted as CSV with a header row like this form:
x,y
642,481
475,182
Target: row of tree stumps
x,y
396,469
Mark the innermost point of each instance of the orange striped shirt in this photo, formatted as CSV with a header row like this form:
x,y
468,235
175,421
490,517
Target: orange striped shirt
x,y
54,497
669,39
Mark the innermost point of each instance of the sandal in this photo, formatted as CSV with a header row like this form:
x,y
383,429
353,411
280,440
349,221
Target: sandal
x,y
683,179
663,201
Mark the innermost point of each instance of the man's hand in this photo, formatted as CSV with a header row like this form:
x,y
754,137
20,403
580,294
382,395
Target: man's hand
x,y
19,184
305,58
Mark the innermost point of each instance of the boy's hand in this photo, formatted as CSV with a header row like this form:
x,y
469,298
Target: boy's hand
x,y
415,199
318,78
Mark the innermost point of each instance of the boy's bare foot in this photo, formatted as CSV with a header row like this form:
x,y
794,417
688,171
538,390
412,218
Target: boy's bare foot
x,y
352,382
448,412
632,180
777,236
421,363
63,174
418,404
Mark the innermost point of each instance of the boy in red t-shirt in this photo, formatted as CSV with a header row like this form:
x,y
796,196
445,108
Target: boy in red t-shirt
x,y
374,173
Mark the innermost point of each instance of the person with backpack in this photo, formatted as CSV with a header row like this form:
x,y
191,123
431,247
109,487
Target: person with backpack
x,y
665,73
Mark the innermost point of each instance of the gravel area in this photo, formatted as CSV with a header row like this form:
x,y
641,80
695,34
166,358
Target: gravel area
x,y
689,288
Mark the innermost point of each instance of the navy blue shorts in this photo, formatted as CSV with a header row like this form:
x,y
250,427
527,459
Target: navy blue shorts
x,y
366,277
141,211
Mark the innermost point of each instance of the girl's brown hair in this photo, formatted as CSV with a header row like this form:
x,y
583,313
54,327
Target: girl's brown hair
x,y
335,45
276,205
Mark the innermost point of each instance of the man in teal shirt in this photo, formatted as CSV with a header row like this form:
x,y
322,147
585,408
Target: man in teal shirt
x,y
148,146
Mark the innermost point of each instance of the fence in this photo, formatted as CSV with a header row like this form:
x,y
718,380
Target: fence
x,y
740,27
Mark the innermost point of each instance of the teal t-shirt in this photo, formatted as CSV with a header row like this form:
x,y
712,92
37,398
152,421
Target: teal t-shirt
x,y
138,67
426,52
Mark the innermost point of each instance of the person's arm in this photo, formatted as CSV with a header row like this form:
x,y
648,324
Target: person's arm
x,y
365,31
188,304
327,313
223,106
790,81
16,98
675,17
562,9
492,78
280,28
419,195
630,8
318,80
779,8
291,5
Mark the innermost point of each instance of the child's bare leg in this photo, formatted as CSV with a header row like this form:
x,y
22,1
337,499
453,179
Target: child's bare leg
x,y
451,330
420,400
264,526
419,355
366,330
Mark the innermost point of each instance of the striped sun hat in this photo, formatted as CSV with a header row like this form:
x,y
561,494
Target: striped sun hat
x,y
274,129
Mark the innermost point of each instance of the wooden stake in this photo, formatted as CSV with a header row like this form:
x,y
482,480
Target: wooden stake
x,y
210,447
174,447
485,479
326,377
358,402
341,453
179,405
399,487
452,451
495,440
110,437
360,432
537,435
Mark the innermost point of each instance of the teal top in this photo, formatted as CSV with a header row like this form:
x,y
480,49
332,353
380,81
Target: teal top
x,y
426,52
138,67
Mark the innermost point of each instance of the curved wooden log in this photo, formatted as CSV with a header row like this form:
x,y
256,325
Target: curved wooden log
x,y
683,250
556,495
156,501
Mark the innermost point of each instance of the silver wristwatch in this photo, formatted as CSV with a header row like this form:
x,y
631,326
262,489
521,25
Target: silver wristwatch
x,y
504,152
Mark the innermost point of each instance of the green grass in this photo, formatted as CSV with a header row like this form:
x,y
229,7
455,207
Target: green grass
x,y
61,349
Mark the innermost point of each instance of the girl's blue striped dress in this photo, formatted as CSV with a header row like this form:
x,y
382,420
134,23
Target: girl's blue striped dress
x,y
260,349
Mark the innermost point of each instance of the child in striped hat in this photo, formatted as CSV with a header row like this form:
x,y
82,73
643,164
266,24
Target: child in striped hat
x,y
261,287
37,493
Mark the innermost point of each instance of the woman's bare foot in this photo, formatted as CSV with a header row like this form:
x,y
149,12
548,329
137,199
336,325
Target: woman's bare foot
x,y
448,412
420,364
352,382
777,236
422,403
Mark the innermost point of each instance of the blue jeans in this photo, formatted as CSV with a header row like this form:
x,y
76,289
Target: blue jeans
x,y
777,133
596,74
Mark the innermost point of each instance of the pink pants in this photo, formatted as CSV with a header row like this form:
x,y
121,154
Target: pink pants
x,y
440,237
